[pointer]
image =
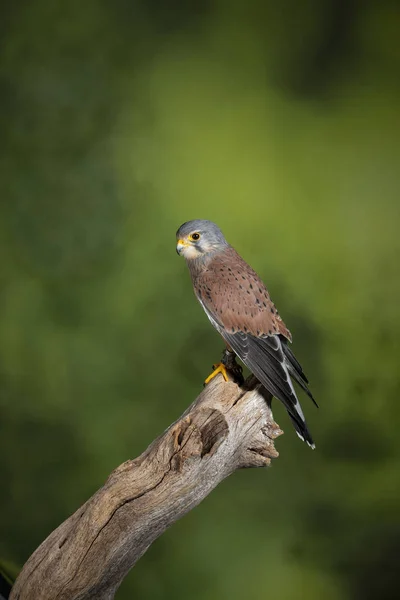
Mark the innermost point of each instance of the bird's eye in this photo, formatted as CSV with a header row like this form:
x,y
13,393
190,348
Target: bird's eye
x,y
195,237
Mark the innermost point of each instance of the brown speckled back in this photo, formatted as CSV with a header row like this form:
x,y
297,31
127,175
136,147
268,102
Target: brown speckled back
x,y
235,296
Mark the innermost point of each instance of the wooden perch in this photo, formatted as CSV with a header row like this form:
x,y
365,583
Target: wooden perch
x,y
226,428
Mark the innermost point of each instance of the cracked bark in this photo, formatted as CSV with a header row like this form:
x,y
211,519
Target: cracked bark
x,y
86,557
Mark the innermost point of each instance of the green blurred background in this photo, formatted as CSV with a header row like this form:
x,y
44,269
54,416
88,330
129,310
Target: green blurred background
x,y
280,121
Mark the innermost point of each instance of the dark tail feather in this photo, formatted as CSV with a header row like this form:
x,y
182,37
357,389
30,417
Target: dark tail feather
x,y
266,359
296,371
302,431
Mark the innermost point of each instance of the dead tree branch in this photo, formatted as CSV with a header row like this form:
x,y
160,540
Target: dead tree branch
x,y
86,557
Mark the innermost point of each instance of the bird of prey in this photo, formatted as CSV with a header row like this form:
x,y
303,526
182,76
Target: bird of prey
x,y
238,305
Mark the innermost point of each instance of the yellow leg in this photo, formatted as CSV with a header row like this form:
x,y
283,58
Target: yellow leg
x,y
218,368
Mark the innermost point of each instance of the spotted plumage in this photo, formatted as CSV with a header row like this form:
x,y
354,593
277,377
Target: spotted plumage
x,y
238,305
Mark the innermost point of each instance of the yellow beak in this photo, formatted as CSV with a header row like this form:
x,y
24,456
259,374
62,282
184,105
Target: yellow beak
x,y
180,245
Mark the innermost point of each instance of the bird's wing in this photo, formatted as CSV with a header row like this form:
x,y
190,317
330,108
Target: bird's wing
x,y
236,296
239,306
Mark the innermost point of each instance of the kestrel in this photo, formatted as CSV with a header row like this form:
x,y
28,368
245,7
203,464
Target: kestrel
x,y
238,305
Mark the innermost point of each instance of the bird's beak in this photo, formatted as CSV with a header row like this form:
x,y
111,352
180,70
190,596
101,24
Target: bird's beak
x,y
181,244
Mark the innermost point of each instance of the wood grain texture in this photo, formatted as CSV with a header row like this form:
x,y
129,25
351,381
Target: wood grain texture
x,y
87,557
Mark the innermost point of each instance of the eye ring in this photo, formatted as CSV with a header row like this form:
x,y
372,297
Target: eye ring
x,y
195,236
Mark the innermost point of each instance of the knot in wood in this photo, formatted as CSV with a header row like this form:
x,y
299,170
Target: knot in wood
x,y
199,435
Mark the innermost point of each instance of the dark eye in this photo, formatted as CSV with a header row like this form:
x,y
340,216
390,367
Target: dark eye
x,y
195,236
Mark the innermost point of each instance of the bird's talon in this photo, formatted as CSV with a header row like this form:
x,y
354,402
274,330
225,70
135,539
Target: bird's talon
x,y
218,368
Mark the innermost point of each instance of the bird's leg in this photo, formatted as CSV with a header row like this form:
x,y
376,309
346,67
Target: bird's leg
x,y
228,365
236,370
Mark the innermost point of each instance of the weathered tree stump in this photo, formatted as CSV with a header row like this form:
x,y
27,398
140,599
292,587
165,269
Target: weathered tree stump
x,y
226,428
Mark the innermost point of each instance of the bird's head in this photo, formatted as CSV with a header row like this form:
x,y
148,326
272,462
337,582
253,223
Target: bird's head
x,y
198,238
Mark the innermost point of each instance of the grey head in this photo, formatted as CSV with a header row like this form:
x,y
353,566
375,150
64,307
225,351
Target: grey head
x,y
198,238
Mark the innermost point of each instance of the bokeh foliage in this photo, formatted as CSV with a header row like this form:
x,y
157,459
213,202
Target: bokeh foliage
x,y
279,121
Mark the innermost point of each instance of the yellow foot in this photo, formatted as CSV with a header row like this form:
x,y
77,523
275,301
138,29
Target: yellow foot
x,y
219,368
